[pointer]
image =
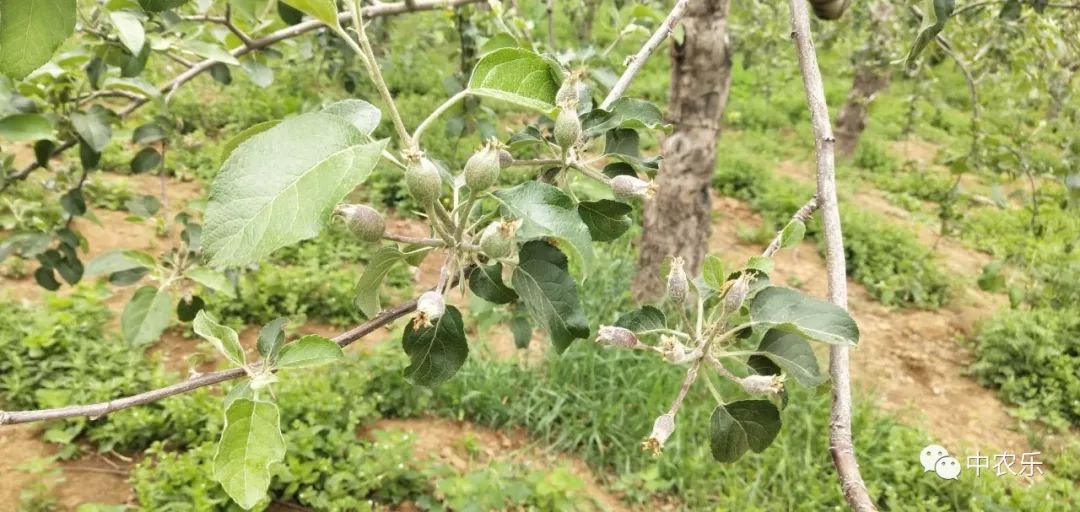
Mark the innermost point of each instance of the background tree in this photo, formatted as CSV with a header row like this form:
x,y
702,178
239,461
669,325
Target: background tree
x,y
677,221
873,71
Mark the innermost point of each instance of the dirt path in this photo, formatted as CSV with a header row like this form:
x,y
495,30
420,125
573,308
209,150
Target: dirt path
x,y
910,360
444,440
91,479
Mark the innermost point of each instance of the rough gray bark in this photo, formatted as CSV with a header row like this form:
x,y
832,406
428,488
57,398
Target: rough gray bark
x,y
872,75
850,123
677,220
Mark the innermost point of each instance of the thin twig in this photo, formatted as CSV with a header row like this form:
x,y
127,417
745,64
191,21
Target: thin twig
x,y
840,443
376,74
415,240
97,410
419,131
643,54
803,215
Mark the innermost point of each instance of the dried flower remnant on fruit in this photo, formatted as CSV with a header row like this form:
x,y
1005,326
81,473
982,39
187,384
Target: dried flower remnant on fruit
x,y
423,179
567,128
482,168
677,285
626,187
674,351
662,429
364,221
429,307
570,93
497,240
614,336
762,384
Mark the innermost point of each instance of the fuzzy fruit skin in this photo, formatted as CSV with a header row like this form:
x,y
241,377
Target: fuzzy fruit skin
x,y
677,285
626,187
482,169
497,240
423,180
616,337
567,128
567,95
364,221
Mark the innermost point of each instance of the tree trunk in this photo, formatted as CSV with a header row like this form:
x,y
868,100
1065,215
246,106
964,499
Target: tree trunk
x,y
870,79
677,220
872,75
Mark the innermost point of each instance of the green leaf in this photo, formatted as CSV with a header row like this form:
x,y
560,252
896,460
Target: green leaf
x,y
259,73
250,443
367,287
793,354
279,186
323,10
935,14
713,272
793,311
549,293
623,113
143,206
241,390
210,51
363,115
148,133
606,219
436,352
517,76
160,5
645,318
1010,11
762,264
130,29
222,337
141,258
742,425
211,279
793,233
522,330
187,309
146,159
30,31
231,144
548,212
271,338
311,350
623,144
46,278
112,261
92,130
73,202
487,283
133,85
24,127
146,316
